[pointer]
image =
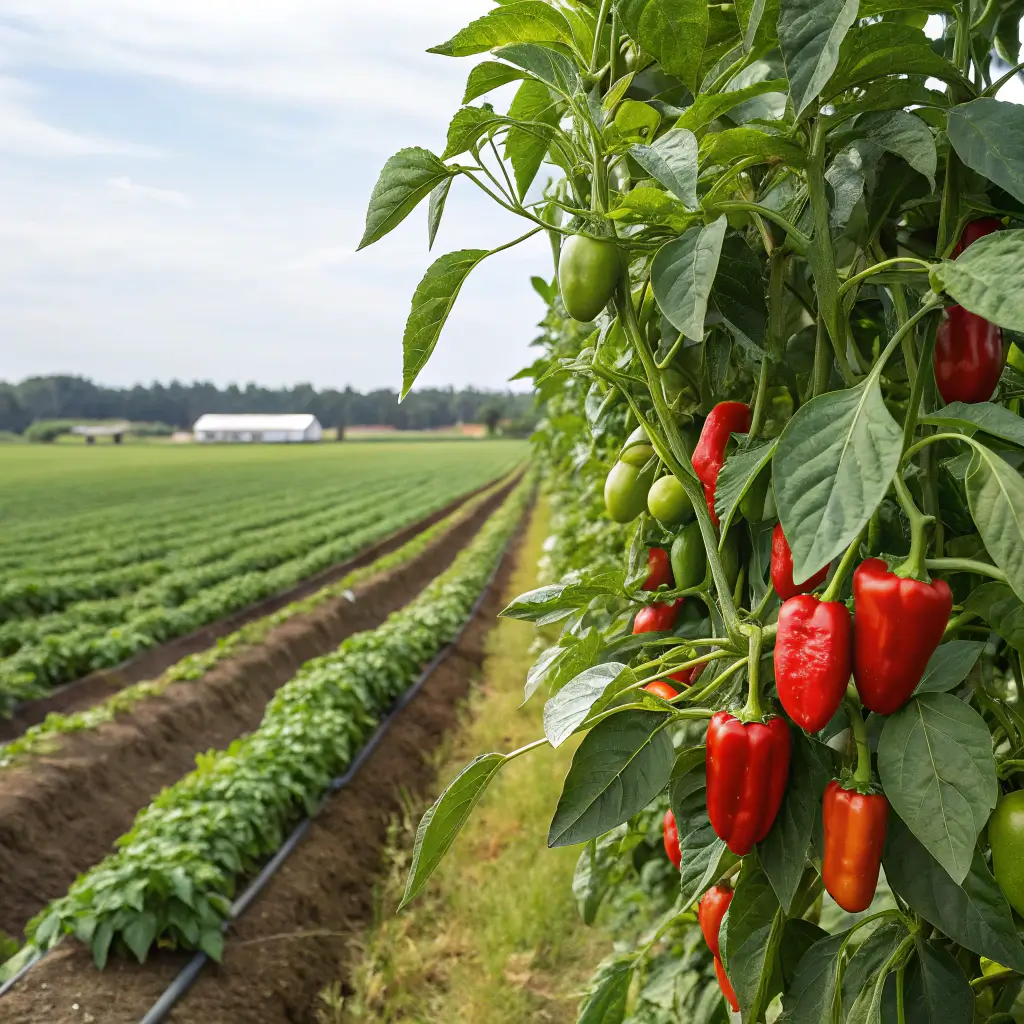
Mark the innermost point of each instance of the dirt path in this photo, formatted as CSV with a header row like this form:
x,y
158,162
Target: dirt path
x,y
292,940
60,814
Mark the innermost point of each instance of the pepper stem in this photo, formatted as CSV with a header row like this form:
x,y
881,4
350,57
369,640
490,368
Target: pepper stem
x,y
914,567
753,709
835,585
862,775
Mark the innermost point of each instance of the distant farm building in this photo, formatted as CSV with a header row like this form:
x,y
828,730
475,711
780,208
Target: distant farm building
x,y
115,431
256,428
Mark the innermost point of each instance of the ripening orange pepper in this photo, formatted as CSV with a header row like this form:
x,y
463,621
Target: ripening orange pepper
x,y
854,836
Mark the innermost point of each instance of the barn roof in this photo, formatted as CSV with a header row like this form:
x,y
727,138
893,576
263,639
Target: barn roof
x,y
215,421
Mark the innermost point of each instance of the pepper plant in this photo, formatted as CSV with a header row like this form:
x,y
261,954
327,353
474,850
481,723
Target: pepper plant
x,y
796,229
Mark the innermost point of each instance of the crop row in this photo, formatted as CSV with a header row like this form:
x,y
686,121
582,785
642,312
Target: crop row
x,y
151,534
93,597
173,875
60,657
40,738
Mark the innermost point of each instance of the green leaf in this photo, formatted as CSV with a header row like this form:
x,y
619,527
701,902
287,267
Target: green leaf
x,y
466,129
487,76
810,34
620,767
529,21
706,108
737,475
832,468
672,160
813,995
431,303
526,146
948,666
408,177
550,66
750,933
724,148
985,416
995,493
675,32
100,944
211,942
606,1001
784,851
937,770
445,819
974,914
988,135
885,48
906,135
568,709
139,934
738,292
682,275
435,209
1000,607
984,278
864,977
936,990
592,879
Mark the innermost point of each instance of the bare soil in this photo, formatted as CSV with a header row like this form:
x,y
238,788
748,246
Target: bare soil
x,y
298,935
61,813
96,686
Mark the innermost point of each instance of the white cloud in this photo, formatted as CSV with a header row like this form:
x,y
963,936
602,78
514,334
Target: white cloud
x,y
134,190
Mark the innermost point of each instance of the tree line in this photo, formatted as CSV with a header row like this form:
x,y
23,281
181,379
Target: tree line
x,y
179,405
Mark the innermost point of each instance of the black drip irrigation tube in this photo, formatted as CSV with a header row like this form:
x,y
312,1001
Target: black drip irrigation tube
x,y
188,974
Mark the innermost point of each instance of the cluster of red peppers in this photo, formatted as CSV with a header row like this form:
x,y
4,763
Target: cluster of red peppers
x,y
899,623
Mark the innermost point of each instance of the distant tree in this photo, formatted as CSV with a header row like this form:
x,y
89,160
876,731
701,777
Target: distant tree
x,y
490,415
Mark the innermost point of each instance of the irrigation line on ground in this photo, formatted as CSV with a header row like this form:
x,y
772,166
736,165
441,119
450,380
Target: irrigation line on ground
x,y
187,976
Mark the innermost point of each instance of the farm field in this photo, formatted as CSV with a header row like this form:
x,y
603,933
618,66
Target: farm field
x,y
108,551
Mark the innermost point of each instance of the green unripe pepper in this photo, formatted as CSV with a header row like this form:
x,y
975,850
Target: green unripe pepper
x,y
752,504
588,271
1006,837
688,558
625,491
668,502
637,450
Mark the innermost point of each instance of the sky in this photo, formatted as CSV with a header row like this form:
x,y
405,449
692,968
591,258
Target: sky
x,y
183,184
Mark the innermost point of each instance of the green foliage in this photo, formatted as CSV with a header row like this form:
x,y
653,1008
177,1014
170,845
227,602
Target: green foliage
x,y
787,186
175,872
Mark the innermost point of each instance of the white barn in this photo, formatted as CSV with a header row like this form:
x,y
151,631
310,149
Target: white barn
x,y
256,428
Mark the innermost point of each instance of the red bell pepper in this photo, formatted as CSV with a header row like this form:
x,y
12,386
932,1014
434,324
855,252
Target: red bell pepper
x,y
782,569
726,986
969,353
747,769
658,569
899,622
662,689
656,618
725,419
854,836
710,911
969,356
670,836
975,230
813,659
686,676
